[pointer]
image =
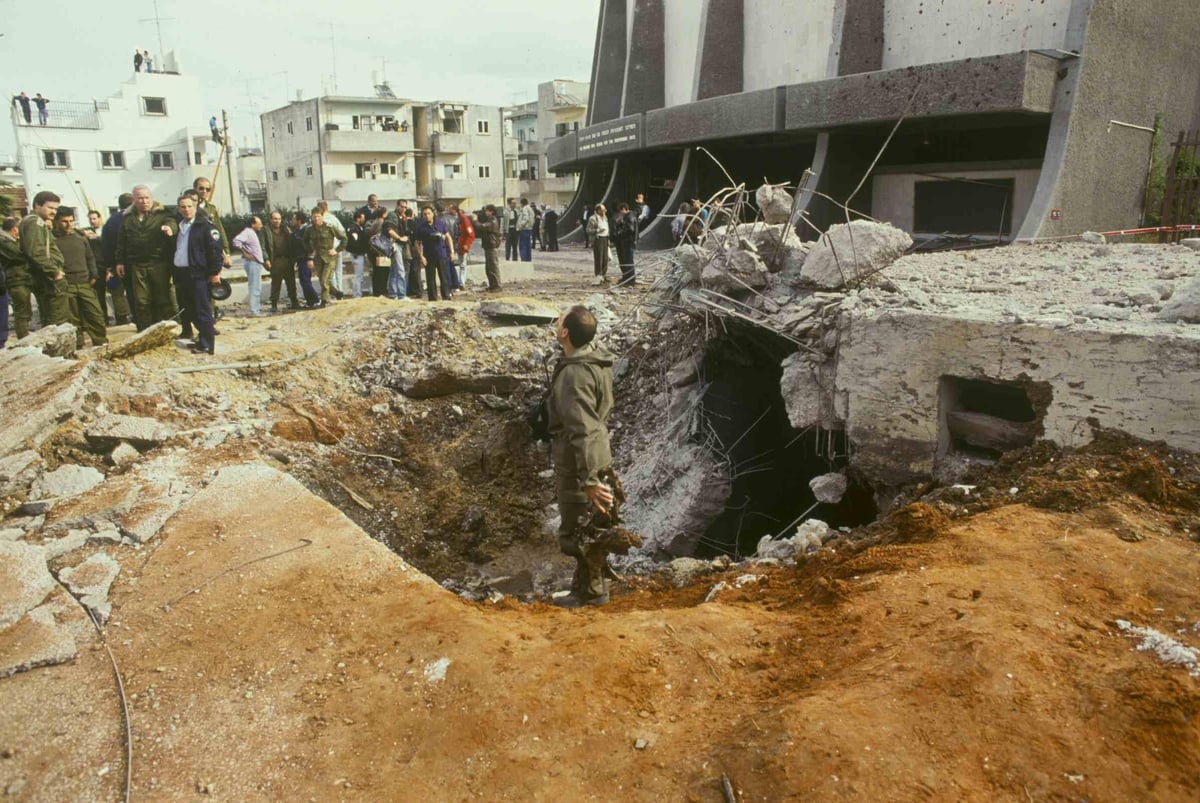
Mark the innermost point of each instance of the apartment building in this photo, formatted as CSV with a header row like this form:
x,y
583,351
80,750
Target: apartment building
x,y
153,131
343,149
561,108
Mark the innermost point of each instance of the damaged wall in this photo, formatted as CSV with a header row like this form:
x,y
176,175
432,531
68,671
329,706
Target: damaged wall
x,y
890,365
800,29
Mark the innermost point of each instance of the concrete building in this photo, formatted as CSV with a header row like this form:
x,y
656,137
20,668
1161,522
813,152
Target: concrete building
x,y
343,149
252,180
153,131
1016,119
560,109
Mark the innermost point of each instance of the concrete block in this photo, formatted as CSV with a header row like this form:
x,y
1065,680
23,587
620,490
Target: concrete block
x,y
143,433
1184,306
24,580
53,341
847,253
66,481
162,333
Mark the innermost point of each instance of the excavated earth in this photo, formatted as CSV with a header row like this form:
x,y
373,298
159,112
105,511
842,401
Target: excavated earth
x,y
282,633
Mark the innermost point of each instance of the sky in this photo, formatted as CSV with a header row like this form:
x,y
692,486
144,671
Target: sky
x,y
254,56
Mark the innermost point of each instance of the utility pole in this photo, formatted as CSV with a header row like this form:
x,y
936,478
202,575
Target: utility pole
x,y
228,162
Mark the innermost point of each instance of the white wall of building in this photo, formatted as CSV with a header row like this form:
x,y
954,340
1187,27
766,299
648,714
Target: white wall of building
x,y
122,125
682,47
295,149
786,42
926,32
893,194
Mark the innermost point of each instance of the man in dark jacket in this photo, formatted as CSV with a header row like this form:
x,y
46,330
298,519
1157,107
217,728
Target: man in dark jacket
x,y
198,259
277,242
491,237
12,267
79,265
550,229
357,245
625,233
581,397
144,255
109,234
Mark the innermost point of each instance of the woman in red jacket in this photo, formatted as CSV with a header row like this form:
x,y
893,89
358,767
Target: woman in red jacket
x,y
466,236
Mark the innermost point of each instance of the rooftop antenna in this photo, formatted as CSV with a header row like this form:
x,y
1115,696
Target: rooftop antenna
x,y
158,21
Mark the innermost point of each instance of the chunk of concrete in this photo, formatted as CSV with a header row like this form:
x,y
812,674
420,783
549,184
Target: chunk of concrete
x,y
37,639
1191,242
519,310
774,202
154,336
683,373
829,488
735,271
684,571
18,472
123,454
446,379
143,433
807,403
46,391
53,341
692,259
778,245
89,583
1104,312
24,580
1184,306
77,538
66,481
848,253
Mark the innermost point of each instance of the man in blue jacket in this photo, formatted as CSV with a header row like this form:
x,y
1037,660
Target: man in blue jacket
x,y
199,257
109,234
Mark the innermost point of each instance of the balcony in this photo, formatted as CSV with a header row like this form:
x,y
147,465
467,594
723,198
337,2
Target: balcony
x,y
63,114
546,185
452,187
388,189
368,141
451,143
531,147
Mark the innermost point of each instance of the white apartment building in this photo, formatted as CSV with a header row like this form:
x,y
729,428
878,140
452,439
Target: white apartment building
x,y
153,131
561,108
252,180
343,149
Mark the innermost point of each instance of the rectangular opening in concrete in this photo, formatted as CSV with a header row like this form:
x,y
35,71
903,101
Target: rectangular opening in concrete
x,y
964,206
984,418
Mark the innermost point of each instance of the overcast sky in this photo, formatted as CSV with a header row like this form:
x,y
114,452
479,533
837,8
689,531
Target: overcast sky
x,y
254,54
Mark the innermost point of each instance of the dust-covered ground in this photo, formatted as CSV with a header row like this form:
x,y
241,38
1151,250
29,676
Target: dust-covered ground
x,y
981,642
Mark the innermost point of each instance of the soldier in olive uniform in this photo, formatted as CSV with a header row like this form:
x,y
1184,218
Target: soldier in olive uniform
x,y
44,260
144,251
79,263
323,244
16,277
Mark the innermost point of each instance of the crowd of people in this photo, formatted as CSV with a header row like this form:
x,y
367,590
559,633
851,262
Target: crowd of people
x,y
618,231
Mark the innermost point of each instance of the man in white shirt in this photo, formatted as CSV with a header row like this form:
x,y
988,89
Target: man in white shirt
x,y
597,232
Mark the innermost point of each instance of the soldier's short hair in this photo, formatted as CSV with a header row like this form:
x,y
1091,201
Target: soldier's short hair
x,y
580,324
93,212
124,199
45,197
10,223
65,211
298,215
317,210
490,208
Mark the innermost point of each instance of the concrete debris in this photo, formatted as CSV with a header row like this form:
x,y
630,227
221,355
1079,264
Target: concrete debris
x,y
1184,306
692,259
1191,242
1104,312
435,671
733,271
780,248
1093,237
53,341
684,571
1167,649
111,430
11,533
683,373
42,637
47,391
90,581
809,537
66,481
774,203
829,488
447,379
849,253
77,538
518,310
689,488
24,580
163,333
807,392
17,473
123,454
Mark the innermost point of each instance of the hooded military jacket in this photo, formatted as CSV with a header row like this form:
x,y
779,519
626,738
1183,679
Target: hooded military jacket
x,y
142,242
581,398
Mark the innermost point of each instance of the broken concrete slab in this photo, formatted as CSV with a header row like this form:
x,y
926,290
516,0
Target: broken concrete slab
x,y
163,333
78,538
778,245
692,259
24,580
735,271
683,571
112,429
774,202
1104,312
53,341
17,473
848,253
989,432
123,454
1191,242
807,392
829,488
518,310
37,639
47,391
683,373
11,533
65,482
89,583
443,379
1184,306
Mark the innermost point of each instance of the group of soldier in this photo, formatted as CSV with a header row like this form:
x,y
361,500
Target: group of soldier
x,y
136,255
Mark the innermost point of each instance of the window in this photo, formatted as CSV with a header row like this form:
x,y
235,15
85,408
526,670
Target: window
x,y
274,175
452,121
485,171
308,170
308,124
162,160
199,157
290,130
156,106
483,127
562,129
520,135
113,160
55,159
451,171
291,172
389,169
354,122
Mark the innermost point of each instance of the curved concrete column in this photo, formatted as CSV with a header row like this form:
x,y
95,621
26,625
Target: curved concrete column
x,y
645,66
593,188
719,68
608,68
658,233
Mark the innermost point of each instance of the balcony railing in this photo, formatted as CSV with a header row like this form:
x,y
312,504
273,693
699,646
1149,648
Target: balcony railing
x,y
62,114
